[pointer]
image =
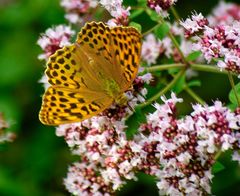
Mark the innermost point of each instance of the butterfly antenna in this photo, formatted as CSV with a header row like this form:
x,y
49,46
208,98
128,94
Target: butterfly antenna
x,y
142,96
130,107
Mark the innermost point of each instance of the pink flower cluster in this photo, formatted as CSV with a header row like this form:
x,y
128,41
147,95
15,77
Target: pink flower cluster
x,y
224,13
54,39
81,11
153,48
108,159
178,152
161,6
194,25
218,40
78,11
183,150
117,11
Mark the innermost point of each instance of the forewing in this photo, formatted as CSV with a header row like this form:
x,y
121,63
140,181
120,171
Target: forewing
x,y
95,39
68,68
126,50
76,92
117,50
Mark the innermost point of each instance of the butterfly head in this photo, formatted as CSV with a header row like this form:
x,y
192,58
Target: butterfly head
x,y
121,100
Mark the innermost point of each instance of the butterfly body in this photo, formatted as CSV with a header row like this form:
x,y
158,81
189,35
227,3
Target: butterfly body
x,y
90,75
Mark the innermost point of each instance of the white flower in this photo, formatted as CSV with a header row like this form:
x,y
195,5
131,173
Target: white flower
x,y
147,78
227,142
221,13
76,8
205,181
44,80
193,25
115,8
110,175
190,25
112,23
150,49
162,185
184,157
73,18
167,46
125,168
53,39
186,125
236,156
186,47
162,12
173,99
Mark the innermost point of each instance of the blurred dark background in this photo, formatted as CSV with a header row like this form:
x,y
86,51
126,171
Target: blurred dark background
x,y
36,162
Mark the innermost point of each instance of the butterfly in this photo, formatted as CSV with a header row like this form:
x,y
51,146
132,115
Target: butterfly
x,y
90,75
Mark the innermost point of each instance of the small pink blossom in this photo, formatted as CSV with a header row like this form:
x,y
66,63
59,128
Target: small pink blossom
x,y
236,156
54,39
77,11
194,25
179,153
224,14
117,11
163,4
185,148
44,81
161,11
217,43
150,49
83,179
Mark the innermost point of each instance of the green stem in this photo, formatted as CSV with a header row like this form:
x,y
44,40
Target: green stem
x,y
175,13
197,67
175,43
163,67
230,77
150,30
208,68
164,90
194,95
217,155
137,7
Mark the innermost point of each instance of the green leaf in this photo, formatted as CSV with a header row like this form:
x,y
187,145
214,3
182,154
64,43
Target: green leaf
x,y
145,185
194,83
149,179
136,13
179,85
231,106
217,167
136,25
232,96
162,31
153,15
140,116
193,56
133,122
3,146
142,2
173,71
